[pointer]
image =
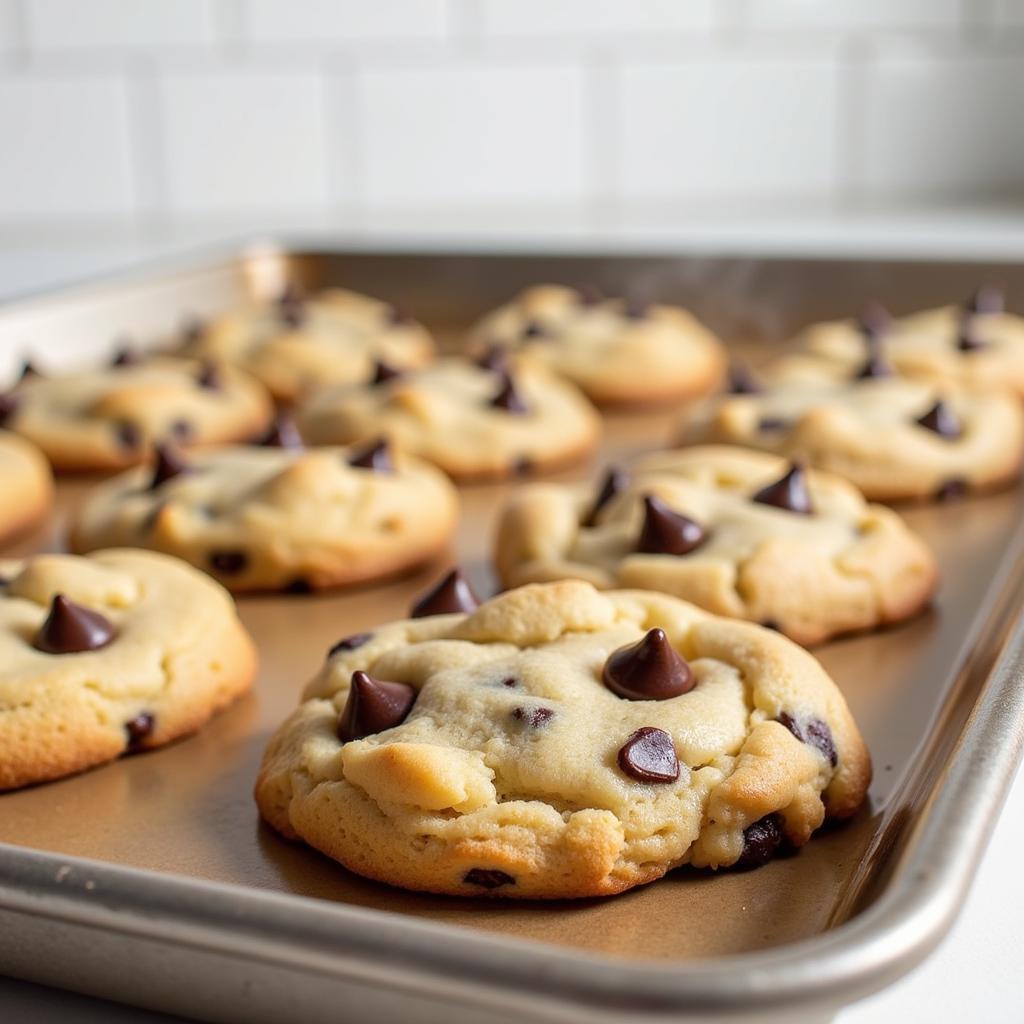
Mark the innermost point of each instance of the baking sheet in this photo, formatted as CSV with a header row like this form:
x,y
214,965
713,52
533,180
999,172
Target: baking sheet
x,y
187,810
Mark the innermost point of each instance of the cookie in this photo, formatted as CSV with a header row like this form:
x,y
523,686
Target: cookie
x,y
335,337
277,518
26,485
894,438
617,352
561,742
978,345
474,421
118,652
108,418
738,532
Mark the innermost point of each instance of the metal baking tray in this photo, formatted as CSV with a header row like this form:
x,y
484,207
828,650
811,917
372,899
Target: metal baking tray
x,y
151,880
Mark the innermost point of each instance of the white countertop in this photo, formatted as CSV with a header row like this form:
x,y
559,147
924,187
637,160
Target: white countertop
x,y
975,974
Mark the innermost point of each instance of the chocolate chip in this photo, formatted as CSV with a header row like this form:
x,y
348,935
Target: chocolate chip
x,y
741,381
650,669
8,406
210,377
192,329
373,705
634,309
941,420
128,435
69,628
649,755
28,369
815,732
375,456
292,316
383,372
350,643
789,493
533,717
488,878
508,398
126,355
291,306
510,681
495,358
398,317
768,423
614,483
760,842
139,729
533,329
874,320
167,465
589,294
229,563
967,339
283,433
667,532
952,489
987,299
771,624
299,585
181,429
452,594
875,366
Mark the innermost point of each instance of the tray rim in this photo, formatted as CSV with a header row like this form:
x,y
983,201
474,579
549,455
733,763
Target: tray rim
x,y
909,917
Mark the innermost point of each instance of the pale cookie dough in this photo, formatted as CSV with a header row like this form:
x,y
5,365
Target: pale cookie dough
x,y
518,772
108,418
473,422
335,337
894,438
271,518
845,566
26,485
113,653
616,352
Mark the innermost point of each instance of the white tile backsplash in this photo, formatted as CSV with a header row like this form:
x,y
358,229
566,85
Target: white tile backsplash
x,y
243,140
736,126
471,133
379,110
66,148
126,25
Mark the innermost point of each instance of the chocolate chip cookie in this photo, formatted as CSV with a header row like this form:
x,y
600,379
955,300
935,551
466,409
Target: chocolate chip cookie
x,y
114,653
334,337
562,742
475,421
26,485
616,351
278,518
740,533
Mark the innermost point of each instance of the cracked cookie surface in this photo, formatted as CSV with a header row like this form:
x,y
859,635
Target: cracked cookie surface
x,y
616,352
272,518
108,418
115,652
335,337
472,421
517,771
26,485
845,566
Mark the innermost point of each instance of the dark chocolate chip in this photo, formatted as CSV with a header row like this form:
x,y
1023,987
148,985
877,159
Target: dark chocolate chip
x,y
534,717
495,358
533,329
373,705
488,878
128,435
742,381
987,299
181,429
941,420
768,423
167,465
650,669
376,456
69,628
452,594
125,355
761,841
967,339
383,372
508,398
28,369
350,643
299,585
874,366
283,433
952,489
649,755
771,624
139,729
229,563
8,406
874,320
789,493
614,483
210,377
815,732
667,532
510,681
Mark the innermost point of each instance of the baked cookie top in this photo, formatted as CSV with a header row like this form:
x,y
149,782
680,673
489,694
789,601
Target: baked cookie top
x,y
893,437
471,420
978,345
561,742
109,418
294,344
616,351
738,532
116,652
26,485
274,518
